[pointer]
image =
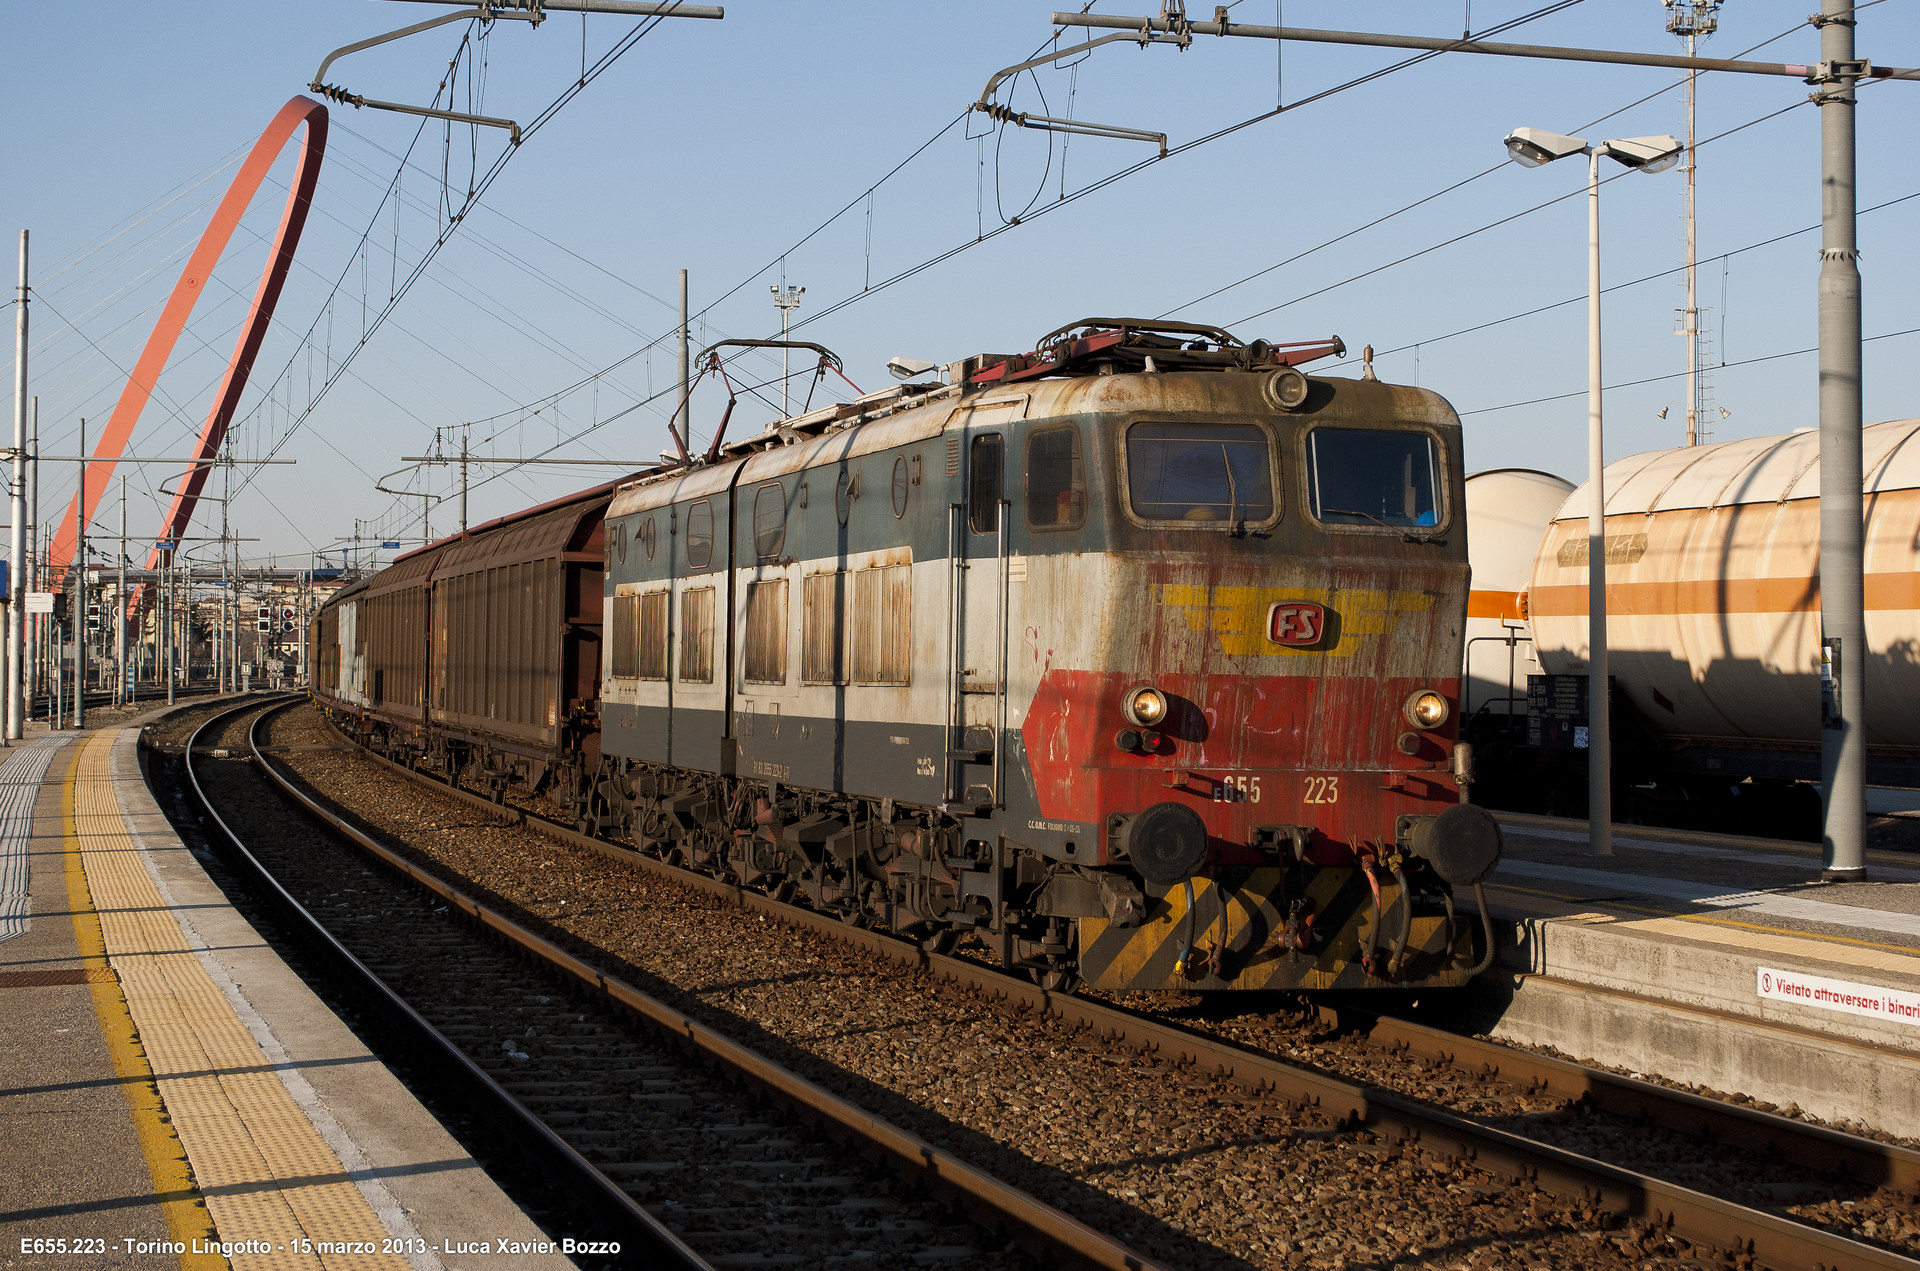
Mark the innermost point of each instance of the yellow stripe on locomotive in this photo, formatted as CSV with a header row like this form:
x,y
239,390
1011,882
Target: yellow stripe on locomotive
x,y
1233,935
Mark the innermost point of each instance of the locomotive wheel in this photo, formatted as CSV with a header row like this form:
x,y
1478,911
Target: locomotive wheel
x,y
940,940
1054,980
855,918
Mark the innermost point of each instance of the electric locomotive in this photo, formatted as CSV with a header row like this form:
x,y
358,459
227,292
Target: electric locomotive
x,y
1136,656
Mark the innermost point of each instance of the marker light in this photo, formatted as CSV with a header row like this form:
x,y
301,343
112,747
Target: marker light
x,y
1426,709
1144,707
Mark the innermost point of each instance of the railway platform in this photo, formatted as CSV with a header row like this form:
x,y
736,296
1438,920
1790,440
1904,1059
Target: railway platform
x,y
1716,961
171,1093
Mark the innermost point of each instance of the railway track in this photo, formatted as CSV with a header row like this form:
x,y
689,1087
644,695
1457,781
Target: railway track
x,y
1745,1234
697,1151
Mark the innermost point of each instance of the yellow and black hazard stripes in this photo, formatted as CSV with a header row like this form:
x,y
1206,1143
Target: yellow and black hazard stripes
x,y
1230,931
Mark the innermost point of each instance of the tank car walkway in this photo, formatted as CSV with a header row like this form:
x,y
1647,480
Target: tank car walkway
x,y
167,1084
1715,960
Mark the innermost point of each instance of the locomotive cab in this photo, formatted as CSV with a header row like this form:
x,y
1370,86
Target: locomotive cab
x,y
1241,696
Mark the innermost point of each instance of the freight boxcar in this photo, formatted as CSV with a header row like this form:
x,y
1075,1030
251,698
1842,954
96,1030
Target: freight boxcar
x,y
480,654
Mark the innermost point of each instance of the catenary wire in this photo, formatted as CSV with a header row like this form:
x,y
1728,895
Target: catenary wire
x,y
1673,375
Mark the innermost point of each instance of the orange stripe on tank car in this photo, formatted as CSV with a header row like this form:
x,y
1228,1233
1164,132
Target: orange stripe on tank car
x,y
1729,595
1496,604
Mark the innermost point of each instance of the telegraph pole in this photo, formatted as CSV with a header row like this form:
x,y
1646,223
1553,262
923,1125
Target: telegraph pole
x,y
16,561
463,480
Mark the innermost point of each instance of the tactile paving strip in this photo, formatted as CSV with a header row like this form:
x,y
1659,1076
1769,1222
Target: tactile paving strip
x,y
265,1172
20,778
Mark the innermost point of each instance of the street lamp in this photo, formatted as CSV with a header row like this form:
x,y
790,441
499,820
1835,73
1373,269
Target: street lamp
x,y
1533,147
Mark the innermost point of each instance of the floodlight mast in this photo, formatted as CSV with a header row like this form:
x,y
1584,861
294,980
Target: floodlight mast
x,y
1843,643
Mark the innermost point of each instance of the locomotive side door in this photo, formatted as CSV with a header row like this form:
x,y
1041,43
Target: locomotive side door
x,y
978,717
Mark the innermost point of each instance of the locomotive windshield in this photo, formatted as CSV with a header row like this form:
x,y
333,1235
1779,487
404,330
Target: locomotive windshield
x,y
1368,476
1200,472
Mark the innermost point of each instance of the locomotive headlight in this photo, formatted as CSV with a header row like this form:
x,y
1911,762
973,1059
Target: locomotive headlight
x,y
1426,709
1144,707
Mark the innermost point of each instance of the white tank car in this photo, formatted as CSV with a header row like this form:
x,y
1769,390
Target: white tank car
x,y
1508,512
1713,595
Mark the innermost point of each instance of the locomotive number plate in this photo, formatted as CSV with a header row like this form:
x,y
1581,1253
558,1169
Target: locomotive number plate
x,y
1296,623
1323,790
1236,789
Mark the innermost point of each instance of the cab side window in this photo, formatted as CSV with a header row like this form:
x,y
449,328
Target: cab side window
x,y
984,484
1056,479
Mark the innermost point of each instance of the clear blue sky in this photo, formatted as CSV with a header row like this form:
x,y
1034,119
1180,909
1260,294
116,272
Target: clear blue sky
x,y
718,146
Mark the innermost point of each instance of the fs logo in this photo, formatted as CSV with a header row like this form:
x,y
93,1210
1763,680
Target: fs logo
x,y
1296,623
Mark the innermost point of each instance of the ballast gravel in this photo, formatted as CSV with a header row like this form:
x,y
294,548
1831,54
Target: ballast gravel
x,y
1188,1170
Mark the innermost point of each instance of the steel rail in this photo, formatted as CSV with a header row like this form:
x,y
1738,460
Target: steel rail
x,y
989,1202
641,1233
1781,1244
1817,1147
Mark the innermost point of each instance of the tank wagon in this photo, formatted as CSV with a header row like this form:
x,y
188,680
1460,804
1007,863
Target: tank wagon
x,y
1136,655
1713,625
1509,509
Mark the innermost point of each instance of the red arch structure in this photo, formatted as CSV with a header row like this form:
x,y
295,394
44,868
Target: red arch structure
x,y
173,319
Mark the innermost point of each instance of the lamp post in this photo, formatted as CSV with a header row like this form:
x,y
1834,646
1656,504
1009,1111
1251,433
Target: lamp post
x,y
1532,147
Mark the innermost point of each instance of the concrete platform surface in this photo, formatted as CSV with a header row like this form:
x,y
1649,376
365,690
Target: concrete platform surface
x,y
170,1086
1713,960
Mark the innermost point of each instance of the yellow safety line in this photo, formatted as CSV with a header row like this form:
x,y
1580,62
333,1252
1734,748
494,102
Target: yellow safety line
x,y
179,1200
1808,937
266,1174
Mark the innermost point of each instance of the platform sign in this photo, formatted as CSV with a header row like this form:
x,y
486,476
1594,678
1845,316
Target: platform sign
x,y
1557,711
1849,997
395,544
39,602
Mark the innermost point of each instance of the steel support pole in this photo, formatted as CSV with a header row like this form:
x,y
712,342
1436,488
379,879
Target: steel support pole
x,y
1599,703
684,414
173,640
36,628
79,575
17,557
127,682
1843,627
1692,327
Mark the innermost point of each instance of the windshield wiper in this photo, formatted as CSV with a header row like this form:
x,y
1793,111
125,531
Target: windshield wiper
x,y
1382,521
1233,495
